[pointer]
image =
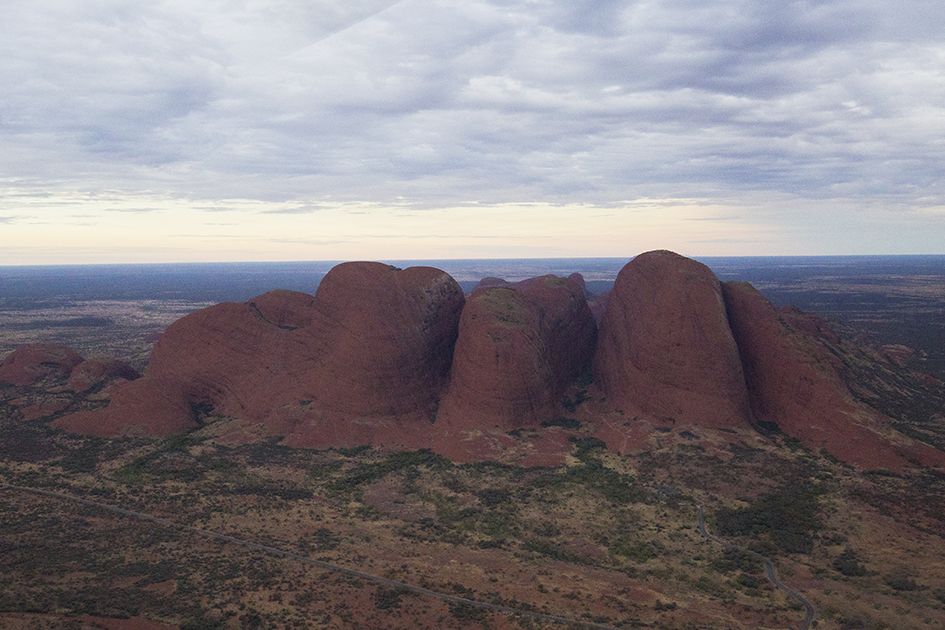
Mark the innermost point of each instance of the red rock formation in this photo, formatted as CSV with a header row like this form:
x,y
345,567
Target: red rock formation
x,y
665,347
598,305
92,372
27,364
794,384
368,358
519,346
490,283
370,350
390,335
44,408
227,356
139,408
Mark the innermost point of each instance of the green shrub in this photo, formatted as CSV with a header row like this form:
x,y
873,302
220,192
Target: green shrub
x,y
733,559
900,582
638,551
788,518
492,497
564,423
389,598
848,563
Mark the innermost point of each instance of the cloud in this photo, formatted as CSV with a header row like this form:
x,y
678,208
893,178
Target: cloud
x,y
305,209
435,103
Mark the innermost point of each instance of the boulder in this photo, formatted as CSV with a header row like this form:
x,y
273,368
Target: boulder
x,y
30,363
519,346
665,347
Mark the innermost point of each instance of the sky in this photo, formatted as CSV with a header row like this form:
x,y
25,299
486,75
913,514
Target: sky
x,y
243,130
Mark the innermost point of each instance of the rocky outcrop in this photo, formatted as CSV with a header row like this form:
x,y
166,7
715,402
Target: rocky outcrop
x,y
28,364
138,408
389,354
400,358
52,379
519,345
794,384
665,348
93,372
369,351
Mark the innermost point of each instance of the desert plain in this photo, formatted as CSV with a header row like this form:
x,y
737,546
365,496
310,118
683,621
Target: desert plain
x,y
601,540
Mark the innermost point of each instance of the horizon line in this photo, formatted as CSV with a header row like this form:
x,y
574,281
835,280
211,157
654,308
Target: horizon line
x,y
418,260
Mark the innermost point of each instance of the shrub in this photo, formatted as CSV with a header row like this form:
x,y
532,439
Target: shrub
x,y
389,598
733,559
492,497
564,423
900,582
789,517
848,563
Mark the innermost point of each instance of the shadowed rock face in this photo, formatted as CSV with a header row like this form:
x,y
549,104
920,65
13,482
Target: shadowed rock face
x,y
665,346
27,364
519,346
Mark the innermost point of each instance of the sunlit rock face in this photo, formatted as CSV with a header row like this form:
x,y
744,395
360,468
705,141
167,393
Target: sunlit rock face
x,y
519,345
665,347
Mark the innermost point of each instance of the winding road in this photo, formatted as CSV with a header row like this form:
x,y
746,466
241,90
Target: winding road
x,y
770,572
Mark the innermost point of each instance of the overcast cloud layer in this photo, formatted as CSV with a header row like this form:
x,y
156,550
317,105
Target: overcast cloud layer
x,y
785,118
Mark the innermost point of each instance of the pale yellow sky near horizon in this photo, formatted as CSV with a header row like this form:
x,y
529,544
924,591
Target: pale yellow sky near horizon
x,y
117,229
83,228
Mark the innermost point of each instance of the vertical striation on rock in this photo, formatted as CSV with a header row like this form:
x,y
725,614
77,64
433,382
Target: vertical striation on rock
x,y
665,346
389,336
